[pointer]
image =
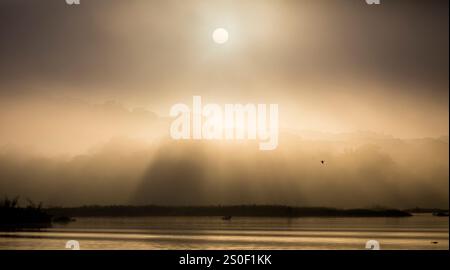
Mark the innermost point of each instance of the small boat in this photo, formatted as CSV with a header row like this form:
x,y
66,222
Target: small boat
x,y
63,219
226,218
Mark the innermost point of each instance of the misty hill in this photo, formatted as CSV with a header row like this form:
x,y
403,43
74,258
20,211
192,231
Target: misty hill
x,y
240,210
373,170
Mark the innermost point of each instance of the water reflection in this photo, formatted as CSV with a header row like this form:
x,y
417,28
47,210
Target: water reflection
x,y
417,232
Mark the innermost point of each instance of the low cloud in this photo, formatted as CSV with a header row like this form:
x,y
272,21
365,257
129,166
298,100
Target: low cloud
x,y
355,173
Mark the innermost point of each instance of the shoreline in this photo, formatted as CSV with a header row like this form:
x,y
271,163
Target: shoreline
x,y
221,211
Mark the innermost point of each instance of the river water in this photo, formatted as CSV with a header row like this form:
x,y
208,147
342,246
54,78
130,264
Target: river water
x,y
418,232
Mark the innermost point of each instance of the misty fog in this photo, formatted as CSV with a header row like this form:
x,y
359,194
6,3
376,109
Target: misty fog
x,y
356,173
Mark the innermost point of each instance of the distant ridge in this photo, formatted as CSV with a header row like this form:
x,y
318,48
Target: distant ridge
x,y
237,211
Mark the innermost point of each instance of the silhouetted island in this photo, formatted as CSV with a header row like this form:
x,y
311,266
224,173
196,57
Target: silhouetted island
x,y
13,216
434,211
222,211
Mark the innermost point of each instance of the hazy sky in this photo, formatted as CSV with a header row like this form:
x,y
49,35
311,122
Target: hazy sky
x,y
85,92
333,66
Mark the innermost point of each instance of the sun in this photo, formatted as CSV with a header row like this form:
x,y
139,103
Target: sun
x,y
220,36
